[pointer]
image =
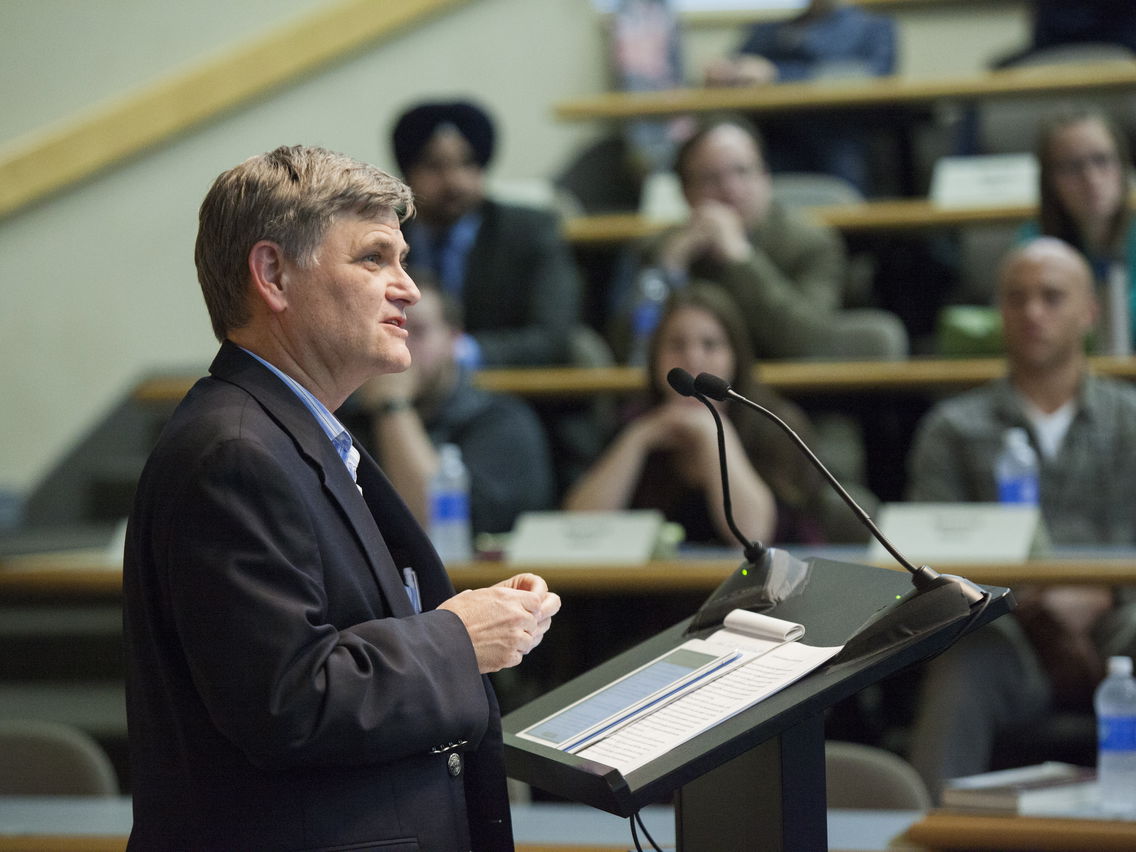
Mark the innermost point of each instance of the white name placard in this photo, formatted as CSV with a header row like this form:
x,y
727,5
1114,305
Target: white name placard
x,y
584,538
992,180
959,532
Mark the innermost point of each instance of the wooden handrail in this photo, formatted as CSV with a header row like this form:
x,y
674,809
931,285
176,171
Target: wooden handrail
x,y
90,575
871,92
930,375
741,17
45,161
900,214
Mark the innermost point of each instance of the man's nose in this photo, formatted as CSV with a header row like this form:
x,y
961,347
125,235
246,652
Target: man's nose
x,y
406,289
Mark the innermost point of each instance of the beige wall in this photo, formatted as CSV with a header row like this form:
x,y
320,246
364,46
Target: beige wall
x,y
97,286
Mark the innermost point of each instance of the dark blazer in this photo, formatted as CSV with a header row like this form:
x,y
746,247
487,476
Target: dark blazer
x,y
281,693
521,292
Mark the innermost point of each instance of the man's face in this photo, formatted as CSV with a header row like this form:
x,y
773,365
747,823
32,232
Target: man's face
x,y
1048,306
346,309
447,180
431,341
727,167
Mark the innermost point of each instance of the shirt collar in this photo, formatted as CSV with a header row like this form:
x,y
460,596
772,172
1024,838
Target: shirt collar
x,y
335,431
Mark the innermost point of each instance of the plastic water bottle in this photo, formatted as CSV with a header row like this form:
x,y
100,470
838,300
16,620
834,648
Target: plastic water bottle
x,y
449,506
651,292
1115,703
1016,469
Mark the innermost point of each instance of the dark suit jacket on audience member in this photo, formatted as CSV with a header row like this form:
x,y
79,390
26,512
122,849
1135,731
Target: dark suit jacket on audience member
x,y
521,295
281,695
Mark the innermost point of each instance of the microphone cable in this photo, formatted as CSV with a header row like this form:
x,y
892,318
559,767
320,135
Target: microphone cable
x,y
638,818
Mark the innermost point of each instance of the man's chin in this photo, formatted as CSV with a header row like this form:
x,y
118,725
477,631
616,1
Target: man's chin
x,y
394,363
1037,358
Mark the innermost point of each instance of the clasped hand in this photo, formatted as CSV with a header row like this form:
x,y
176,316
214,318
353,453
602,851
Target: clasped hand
x,y
505,621
714,230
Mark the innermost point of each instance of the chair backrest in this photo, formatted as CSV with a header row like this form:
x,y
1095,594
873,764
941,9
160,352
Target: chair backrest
x,y
813,189
869,778
39,758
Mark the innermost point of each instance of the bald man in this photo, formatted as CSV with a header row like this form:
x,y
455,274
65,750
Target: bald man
x,y
1051,653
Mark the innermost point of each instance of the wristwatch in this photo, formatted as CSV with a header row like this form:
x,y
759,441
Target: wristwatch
x,y
390,406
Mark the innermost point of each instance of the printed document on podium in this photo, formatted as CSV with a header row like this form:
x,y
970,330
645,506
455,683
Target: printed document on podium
x,y
684,692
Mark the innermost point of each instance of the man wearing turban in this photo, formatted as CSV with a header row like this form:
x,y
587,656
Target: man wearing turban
x,y
506,265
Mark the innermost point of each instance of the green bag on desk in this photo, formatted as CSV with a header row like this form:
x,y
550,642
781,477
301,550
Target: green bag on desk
x,y
969,331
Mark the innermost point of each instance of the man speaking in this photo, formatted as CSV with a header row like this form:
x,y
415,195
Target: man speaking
x,y
300,672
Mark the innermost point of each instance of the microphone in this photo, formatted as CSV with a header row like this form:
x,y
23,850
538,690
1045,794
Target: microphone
x,y
684,384
924,577
935,601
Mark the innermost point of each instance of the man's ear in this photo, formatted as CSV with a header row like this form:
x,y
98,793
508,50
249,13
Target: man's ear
x,y
267,274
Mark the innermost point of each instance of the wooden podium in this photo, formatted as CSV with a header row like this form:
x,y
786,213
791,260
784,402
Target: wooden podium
x,y
758,777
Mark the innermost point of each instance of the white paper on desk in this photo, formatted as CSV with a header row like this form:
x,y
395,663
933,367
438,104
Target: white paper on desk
x,y
652,736
985,180
658,682
960,532
753,631
779,662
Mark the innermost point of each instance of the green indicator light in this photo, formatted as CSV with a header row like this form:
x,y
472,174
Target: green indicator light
x,y
745,572
897,597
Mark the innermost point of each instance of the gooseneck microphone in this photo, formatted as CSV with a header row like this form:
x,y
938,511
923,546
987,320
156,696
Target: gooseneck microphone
x,y
923,577
684,384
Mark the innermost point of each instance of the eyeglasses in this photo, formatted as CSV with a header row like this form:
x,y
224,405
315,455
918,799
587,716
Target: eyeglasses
x,y
1100,161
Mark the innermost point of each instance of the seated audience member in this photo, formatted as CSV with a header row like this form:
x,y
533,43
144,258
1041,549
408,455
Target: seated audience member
x,y
433,403
507,265
826,39
666,457
786,273
1050,653
1084,174
1059,22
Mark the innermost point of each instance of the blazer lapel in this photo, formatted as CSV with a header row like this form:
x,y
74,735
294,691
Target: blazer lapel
x,y
235,366
405,537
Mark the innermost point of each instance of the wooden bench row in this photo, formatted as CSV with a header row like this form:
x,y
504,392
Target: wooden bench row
x,y
793,378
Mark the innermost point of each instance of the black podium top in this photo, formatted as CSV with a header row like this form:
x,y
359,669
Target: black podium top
x,y
833,600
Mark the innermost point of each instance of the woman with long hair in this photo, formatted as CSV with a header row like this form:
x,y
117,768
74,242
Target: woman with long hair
x,y
666,457
1084,164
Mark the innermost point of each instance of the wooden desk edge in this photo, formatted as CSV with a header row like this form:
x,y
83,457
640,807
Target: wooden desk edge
x,y
869,92
39,578
117,843
919,375
62,843
943,830
883,215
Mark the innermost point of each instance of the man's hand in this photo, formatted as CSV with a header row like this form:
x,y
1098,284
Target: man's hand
x,y
391,387
745,70
505,621
714,230
725,233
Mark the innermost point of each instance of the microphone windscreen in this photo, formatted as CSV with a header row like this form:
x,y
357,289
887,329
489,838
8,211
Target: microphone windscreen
x,y
681,381
712,386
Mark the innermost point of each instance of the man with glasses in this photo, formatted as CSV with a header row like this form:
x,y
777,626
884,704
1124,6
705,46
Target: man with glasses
x,y
786,273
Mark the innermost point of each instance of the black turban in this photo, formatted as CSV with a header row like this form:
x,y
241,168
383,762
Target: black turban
x,y
417,126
